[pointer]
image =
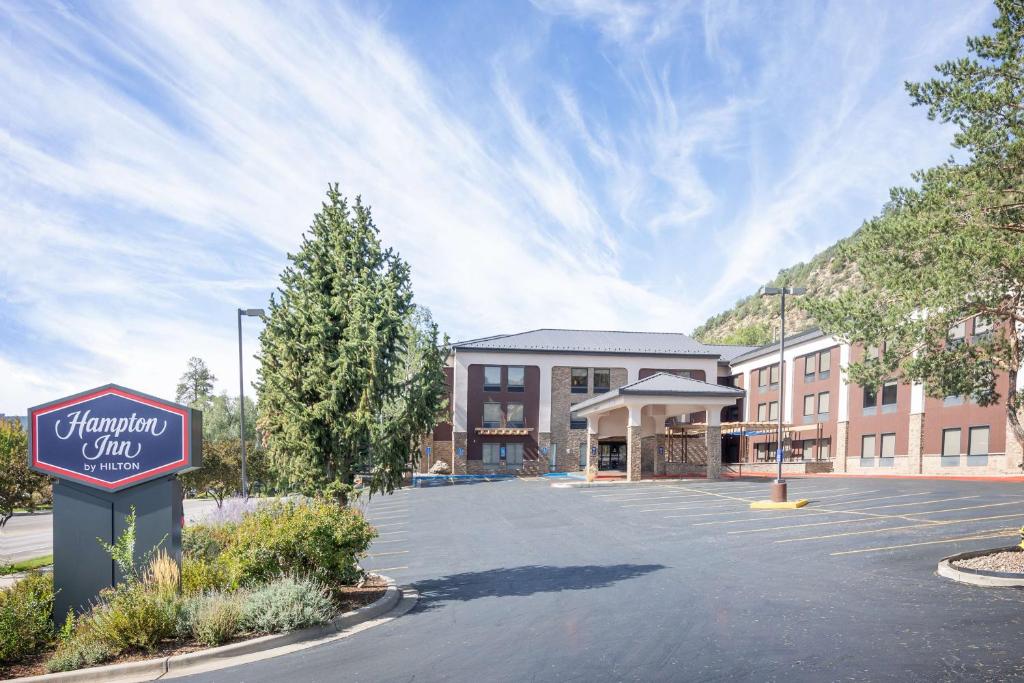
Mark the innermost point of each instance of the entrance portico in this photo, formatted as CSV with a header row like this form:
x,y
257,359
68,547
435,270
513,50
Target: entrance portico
x,y
639,410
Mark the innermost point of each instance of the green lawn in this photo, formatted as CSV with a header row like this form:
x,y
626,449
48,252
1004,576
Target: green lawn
x,y
25,565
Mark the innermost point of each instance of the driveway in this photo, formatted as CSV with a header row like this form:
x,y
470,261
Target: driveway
x,y
681,581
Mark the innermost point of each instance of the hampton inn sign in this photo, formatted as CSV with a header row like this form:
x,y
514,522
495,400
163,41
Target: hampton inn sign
x,y
110,438
114,454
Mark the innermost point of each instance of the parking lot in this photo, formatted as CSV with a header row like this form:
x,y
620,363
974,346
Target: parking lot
x,y
681,580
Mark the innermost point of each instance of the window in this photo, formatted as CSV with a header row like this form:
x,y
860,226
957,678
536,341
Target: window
x,y
492,453
514,454
492,378
953,401
762,378
823,403
871,352
867,446
773,410
761,451
870,401
773,375
982,325
957,333
808,448
492,415
602,380
888,446
576,422
810,367
977,441
578,380
889,393
517,378
825,451
808,405
951,443
762,412
824,364
515,416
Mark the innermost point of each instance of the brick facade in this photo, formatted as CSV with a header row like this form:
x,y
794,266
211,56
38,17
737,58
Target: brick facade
x,y
633,453
567,439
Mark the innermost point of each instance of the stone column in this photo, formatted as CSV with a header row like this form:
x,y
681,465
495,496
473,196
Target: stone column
x,y
592,447
839,447
459,443
713,444
633,452
915,444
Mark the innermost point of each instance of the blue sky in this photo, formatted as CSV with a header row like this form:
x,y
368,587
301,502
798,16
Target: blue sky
x,y
561,163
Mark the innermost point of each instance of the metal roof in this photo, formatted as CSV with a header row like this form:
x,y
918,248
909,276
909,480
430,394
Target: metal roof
x,y
806,335
600,341
665,384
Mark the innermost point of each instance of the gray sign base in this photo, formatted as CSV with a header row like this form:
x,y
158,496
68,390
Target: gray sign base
x,y
84,516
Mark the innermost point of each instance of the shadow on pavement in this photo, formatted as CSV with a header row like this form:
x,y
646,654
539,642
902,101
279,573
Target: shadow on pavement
x,y
527,580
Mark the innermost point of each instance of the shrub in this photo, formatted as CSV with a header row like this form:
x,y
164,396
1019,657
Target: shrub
x,y
216,617
205,540
286,604
316,539
135,616
200,575
25,626
83,648
163,574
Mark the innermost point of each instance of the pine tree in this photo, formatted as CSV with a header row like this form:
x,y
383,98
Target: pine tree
x,y
950,251
348,381
196,383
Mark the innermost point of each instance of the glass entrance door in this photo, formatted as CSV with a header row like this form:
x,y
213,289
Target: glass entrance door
x,y
611,456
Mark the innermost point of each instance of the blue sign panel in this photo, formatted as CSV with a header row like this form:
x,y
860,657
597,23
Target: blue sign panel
x,y
778,455
113,438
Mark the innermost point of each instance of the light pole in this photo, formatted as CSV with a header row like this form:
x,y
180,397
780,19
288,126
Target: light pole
x,y
251,312
779,486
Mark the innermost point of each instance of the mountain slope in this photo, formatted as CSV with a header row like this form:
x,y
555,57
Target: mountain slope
x,y
755,319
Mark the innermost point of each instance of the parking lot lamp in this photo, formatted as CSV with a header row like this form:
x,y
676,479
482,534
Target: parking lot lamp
x,y
779,486
254,313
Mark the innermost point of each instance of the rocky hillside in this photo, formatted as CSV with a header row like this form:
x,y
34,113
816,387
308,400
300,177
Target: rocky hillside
x,y
755,319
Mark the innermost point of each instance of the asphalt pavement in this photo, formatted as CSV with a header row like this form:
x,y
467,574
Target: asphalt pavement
x,y
31,535
681,581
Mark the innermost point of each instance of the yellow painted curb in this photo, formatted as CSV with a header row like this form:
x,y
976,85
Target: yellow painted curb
x,y
769,505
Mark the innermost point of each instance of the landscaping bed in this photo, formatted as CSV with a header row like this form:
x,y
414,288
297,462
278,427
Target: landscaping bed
x,y
1002,561
350,598
248,571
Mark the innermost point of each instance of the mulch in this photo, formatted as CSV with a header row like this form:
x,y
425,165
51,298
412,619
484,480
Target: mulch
x,y
347,597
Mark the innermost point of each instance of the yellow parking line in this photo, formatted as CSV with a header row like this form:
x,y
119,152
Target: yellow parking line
x,y
391,533
869,500
392,552
803,494
968,507
393,540
698,505
385,569
381,526
868,516
741,510
994,533
898,528
687,500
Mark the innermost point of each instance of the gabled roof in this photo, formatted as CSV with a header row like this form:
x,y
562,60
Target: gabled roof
x,y
596,341
665,384
791,340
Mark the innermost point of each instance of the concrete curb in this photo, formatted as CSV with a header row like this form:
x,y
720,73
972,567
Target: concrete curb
x,y
980,577
596,484
223,656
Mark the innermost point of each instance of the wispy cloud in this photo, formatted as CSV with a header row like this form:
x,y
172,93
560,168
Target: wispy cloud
x,y
605,163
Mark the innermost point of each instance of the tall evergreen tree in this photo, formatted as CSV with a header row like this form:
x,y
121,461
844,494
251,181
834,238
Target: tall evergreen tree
x,y
950,251
348,380
196,383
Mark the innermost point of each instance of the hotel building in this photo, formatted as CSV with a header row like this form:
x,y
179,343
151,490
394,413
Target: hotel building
x,y
649,405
